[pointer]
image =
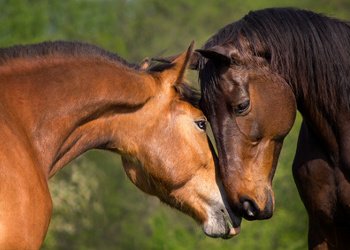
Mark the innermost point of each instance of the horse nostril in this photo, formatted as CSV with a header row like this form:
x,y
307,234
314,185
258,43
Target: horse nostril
x,y
249,209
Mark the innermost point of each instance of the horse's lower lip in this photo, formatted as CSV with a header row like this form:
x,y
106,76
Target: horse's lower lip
x,y
232,219
233,222
234,231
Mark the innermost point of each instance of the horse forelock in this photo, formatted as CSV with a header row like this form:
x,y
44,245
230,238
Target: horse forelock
x,y
65,48
310,51
209,83
188,93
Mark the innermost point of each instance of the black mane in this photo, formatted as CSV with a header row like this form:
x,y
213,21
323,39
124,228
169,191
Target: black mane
x,y
188,93
62,48
309,50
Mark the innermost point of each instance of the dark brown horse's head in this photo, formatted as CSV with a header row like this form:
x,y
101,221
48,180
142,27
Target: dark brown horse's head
x,y
250,110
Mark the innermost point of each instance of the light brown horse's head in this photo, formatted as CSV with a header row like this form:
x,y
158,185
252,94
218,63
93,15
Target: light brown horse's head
x,y
167,152
250,110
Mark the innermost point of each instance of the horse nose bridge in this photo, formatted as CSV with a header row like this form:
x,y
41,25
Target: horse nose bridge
x,y
247,180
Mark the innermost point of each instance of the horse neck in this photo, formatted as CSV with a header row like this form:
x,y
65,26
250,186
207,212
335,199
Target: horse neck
x,y
321,122
64,103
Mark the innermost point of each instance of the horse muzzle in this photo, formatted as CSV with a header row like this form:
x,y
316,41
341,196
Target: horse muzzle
x,y
222,223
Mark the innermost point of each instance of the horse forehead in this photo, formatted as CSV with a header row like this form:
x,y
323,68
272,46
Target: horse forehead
x,y
236,74
181,107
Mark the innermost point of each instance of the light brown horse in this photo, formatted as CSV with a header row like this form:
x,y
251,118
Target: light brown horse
x,y
60,99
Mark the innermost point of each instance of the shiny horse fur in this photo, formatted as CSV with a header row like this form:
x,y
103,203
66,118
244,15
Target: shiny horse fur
x,y
60,99
254,74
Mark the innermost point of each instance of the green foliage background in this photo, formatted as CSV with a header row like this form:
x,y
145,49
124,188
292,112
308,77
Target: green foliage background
x,y
95,205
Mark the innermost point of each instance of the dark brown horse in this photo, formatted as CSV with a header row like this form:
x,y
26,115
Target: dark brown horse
x,y
254,73
60,99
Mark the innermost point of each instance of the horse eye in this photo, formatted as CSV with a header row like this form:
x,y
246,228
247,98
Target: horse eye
x,y
242,107
202,125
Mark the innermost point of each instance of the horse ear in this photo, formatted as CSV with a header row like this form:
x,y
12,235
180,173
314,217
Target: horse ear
x,y
175,74
145,63
168,59
217,54
194,61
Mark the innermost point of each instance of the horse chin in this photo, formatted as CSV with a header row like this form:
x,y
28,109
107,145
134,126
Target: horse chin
x,y
222,223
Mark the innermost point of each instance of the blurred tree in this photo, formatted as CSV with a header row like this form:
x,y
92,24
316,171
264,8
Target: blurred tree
x,y
95,205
